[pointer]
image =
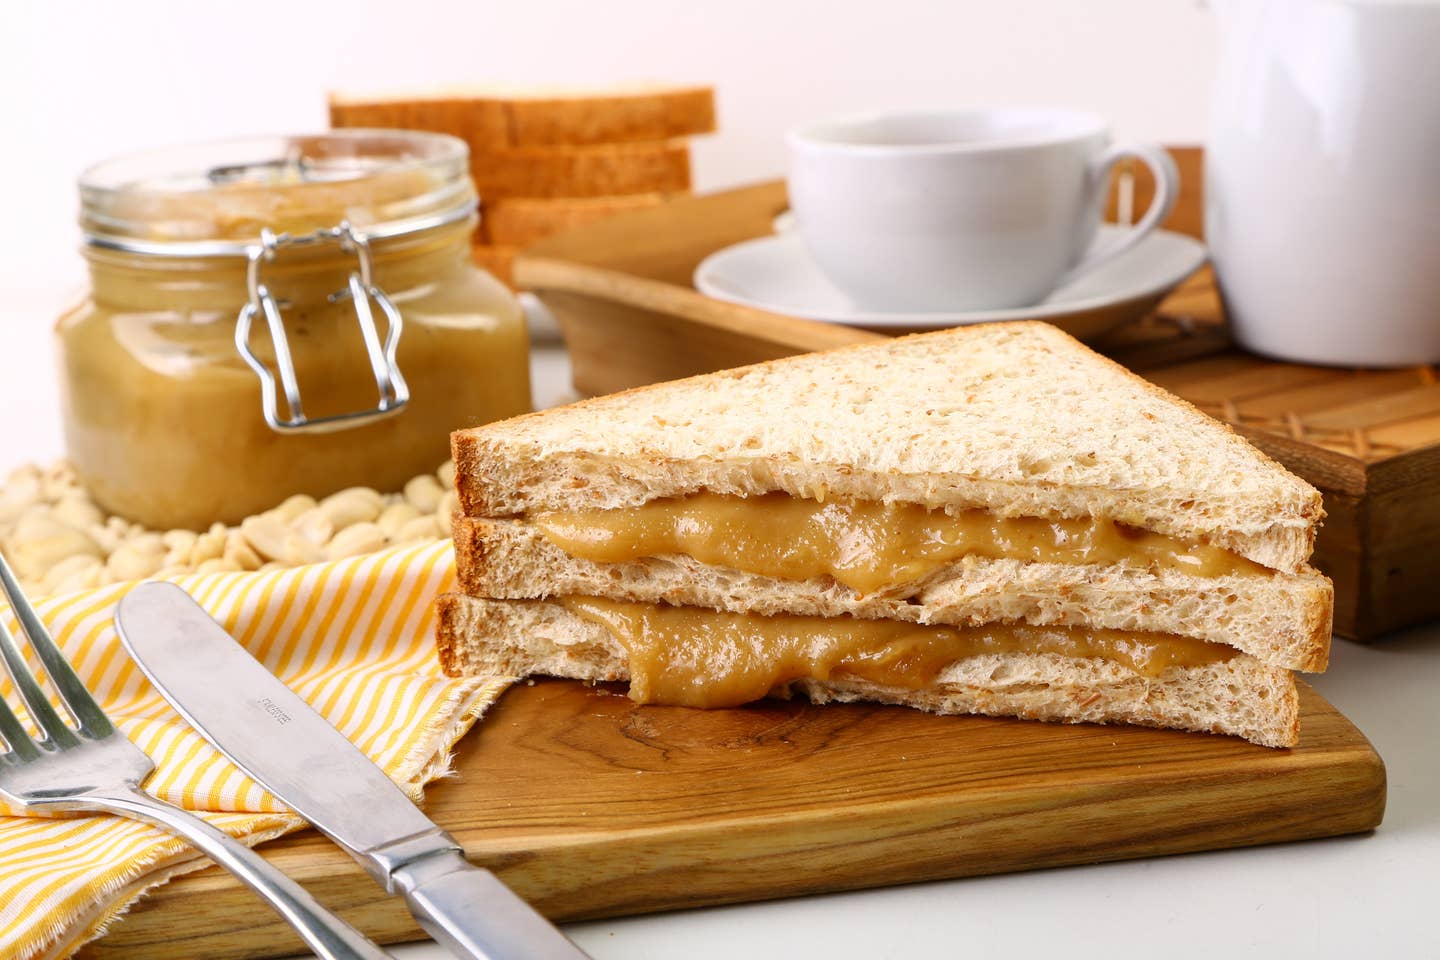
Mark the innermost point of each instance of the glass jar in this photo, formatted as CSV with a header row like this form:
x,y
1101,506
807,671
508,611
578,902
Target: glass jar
x,y
278,316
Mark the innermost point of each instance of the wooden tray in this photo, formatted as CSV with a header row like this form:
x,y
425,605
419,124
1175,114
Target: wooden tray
x,y
592,806
1370,441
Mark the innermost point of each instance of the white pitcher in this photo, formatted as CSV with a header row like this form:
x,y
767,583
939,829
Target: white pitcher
x,y
1322,202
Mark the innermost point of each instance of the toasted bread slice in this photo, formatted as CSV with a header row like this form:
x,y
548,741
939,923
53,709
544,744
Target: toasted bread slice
x,y
498,261
1282,619
499,118
1016,418
521,221
1240,696
651,166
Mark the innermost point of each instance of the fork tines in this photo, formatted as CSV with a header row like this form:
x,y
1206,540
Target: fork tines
x,y
88,716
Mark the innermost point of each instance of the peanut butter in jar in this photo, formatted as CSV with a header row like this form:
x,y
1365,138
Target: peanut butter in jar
x,y
280,316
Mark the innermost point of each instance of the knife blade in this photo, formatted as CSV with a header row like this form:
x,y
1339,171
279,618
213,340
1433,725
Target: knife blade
x,y
250,716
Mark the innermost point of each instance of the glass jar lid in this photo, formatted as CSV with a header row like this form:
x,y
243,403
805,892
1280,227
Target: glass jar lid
x,y
222,198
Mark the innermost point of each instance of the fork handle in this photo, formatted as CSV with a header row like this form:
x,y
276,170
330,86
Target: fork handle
x,y
326,934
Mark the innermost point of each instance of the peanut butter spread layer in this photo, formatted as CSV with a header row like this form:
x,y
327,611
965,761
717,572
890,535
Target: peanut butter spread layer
x,y
691,657
867,546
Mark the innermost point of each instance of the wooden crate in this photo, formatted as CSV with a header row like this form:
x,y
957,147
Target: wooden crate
x,y
1370,440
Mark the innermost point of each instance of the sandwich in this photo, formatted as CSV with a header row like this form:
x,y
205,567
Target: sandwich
x,y
987,520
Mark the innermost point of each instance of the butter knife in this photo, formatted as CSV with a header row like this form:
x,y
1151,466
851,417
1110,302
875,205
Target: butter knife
x,y
272,735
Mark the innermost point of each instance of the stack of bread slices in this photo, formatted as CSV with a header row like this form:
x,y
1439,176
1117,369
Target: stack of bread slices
x,y
546,161
991,519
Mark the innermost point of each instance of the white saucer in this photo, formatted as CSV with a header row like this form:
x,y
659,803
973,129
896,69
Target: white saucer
x,y
777,274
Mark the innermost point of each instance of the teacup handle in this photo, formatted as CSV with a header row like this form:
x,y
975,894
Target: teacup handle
x,y
1167,189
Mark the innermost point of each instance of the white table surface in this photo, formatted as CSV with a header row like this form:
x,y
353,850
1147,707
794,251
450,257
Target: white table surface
x,y
1354,897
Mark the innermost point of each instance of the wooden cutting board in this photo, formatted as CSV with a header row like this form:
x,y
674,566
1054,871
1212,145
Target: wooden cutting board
x,y
592,806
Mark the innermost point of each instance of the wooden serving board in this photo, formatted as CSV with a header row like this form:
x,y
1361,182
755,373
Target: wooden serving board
x,y
591,806
1370,440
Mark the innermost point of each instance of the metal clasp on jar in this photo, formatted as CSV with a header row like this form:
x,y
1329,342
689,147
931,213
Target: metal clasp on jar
x,y
360,290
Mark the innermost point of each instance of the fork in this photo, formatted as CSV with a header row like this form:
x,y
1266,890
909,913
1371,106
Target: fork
x,y
91,767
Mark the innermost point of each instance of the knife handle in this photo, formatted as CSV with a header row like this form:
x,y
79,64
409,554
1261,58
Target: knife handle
x,y
472,914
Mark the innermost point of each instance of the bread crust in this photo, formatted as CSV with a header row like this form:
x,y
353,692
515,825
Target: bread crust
x,y
495,118
658,166
1241,697
498,261
521,221
1281,619
1016,418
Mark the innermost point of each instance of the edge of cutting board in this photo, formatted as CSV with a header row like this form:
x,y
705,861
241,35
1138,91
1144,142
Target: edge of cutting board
x,y
592,806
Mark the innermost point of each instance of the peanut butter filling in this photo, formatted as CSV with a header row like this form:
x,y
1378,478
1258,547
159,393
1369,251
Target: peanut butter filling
x,y
693,657
867,546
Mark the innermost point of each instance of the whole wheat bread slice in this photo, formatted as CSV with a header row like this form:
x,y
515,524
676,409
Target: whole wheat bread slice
x,y
647,166
1241,696
521,221
498,117
1283,619
1017,418
499,261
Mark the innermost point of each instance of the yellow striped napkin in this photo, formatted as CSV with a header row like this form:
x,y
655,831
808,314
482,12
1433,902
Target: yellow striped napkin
x,y
353,637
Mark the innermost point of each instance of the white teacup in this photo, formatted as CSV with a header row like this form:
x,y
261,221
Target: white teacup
x,y
961,210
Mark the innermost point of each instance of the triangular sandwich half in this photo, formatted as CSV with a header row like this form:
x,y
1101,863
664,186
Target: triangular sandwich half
x,y
992,519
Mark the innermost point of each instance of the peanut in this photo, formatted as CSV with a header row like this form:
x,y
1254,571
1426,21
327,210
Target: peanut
x,y
180,541
112,534
294,507
395,517
40,542
314,525
73,573
87,579
421,528
20,493
238,552
355,540
60,540
147,543
133,562
208,546
79,512
299,551
446,511
217,565
58,480
424,493
355,505
266,534
181,544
